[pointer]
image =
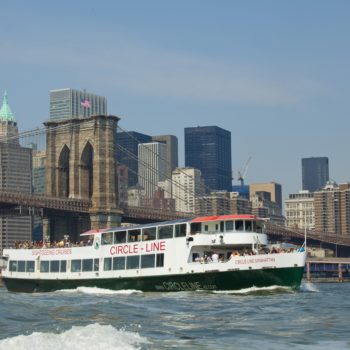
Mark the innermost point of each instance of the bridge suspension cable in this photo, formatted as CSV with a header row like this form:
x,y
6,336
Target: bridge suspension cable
x,y
25,137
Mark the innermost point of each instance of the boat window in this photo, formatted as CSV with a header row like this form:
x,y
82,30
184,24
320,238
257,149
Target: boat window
x,y
196,227
195,257
160,260
21,266
229,226
239,225
166,232
133,262
30,266
44,266
63,266
254,226
107,264
206,228
107,238
149,234
87,265
180,230
119,237
248,226
147,261
259,227
134,235
119,263
55,266
76,266
222,226
13,265
96,264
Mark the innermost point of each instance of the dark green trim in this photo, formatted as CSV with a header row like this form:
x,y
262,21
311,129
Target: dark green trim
x,y
214,280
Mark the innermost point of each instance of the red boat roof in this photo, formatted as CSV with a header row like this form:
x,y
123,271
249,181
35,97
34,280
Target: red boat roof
x,y
225,217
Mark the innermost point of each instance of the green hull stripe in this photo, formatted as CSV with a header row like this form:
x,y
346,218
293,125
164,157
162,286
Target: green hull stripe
x,y
229,280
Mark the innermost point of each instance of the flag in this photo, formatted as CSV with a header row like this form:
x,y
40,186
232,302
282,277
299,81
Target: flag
x,y
85,103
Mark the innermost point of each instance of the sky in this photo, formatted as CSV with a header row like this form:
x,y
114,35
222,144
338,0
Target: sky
x,y
274,73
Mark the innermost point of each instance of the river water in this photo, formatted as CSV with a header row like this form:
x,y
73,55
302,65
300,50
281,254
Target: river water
x,y
316,317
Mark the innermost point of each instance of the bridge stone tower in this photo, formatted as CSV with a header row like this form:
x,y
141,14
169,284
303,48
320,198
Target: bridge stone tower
x,y
81,164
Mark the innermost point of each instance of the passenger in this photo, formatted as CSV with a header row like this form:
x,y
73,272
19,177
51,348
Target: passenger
x,y
234,254
207,258
215,257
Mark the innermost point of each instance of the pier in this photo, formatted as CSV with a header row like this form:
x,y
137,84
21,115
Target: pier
x,y
327,270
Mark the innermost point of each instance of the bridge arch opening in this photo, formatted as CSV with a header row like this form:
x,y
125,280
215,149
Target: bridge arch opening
x,y
63,172
86,171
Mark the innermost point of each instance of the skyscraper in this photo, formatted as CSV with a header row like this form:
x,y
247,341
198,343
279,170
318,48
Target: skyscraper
x,y
187,185
171,151
332,209
315,173
300,210
152,166
70,103
15,175
127,152
273,188
208,149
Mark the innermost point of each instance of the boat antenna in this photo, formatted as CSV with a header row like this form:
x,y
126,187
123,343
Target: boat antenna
x,y
305,231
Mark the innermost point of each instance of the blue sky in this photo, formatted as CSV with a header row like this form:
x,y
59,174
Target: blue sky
x,y
274,73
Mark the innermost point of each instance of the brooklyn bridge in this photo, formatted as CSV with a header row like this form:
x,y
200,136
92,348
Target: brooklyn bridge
x,y
81,190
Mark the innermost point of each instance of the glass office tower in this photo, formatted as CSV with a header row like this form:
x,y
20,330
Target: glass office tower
x,y
208,148
127,152
70,103
315,173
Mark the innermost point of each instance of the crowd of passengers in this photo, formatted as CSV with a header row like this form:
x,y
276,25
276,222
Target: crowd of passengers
x,y
215,257
64,243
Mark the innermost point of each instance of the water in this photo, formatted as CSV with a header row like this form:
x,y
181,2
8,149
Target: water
x,y
317,317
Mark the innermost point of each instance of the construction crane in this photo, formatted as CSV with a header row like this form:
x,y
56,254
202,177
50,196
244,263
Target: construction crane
x,y
243,172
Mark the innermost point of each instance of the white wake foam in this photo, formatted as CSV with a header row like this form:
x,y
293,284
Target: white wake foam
x,y
308,287
253,290
92,337
96,290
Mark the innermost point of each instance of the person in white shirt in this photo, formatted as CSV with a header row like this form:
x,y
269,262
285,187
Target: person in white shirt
x,y
215,257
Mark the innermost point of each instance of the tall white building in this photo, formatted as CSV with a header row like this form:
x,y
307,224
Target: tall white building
x,y
151,165
187,185
70,103
300,210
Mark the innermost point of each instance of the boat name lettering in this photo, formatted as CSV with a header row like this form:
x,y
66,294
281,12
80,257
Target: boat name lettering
x,y
253,260
59,251
181,285
136,248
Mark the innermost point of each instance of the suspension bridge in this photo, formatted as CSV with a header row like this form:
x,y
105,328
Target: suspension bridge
x,y
82,185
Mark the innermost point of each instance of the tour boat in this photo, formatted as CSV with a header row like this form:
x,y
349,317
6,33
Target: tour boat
x,y
216,253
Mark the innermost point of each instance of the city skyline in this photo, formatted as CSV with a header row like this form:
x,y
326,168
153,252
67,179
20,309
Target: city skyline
x,y
273,74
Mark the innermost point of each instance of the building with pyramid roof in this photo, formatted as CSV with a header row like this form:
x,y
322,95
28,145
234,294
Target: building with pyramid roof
x,y
8,124
15,176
